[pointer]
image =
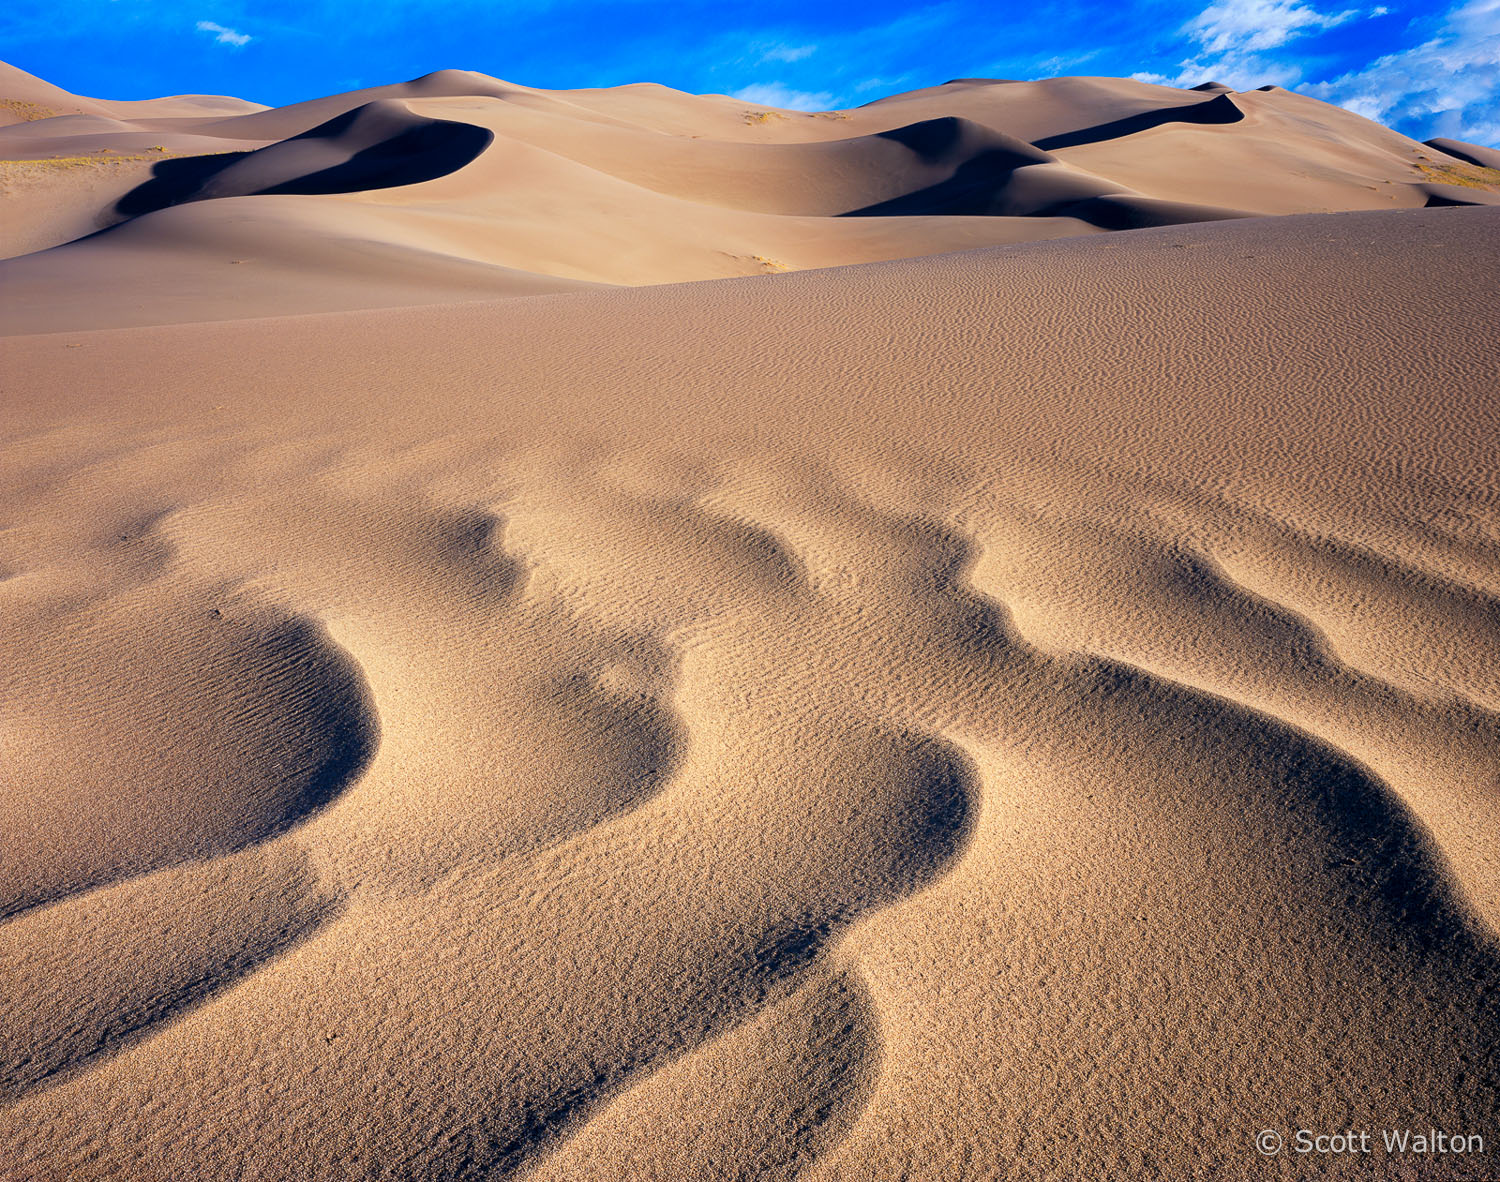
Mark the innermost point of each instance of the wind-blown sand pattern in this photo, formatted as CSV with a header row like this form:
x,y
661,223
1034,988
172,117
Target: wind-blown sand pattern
x,y
1030,712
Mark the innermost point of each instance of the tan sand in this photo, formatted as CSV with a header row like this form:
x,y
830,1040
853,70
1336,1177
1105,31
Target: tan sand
x,y
1023,713
460,186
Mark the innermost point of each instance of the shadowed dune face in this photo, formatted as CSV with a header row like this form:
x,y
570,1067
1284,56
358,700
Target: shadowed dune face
x,y
1444,196
1217,111
941,141
1469,153
132,966
378,146
996,176
1120,211
866,841
992,175
765,1100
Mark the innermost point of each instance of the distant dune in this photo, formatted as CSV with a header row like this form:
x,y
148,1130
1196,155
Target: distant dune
x,y
457,186
476,704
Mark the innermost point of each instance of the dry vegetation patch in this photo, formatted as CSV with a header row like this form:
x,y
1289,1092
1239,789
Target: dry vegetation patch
x,y
1470,176
27,112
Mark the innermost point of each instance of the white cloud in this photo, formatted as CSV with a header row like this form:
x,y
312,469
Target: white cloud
x,y
787,53
1232,36
1242,71
1450,82
1243,26
224,36
774,94
1447,85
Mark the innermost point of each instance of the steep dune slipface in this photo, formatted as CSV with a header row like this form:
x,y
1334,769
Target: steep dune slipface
x,y
1028,713
1468,153
461,186
993,175
377,146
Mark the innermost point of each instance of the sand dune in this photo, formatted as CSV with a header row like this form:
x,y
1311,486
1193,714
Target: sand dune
x,y
380,145
1469,153
473,706
467,186
28,98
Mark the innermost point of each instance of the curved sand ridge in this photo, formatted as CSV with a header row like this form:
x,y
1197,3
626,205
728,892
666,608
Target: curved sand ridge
x,y
886,835
280,726
377,146
998,176
457,186
1469,153
1018,714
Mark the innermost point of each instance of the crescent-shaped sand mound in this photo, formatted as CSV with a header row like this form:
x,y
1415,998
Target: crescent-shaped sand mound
x,y
1469,153
116,781
379,145
994,175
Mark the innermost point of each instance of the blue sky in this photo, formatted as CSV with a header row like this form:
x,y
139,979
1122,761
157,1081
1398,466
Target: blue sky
x,y
1423,66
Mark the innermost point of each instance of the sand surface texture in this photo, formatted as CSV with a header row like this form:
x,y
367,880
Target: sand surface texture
x,y
1024,713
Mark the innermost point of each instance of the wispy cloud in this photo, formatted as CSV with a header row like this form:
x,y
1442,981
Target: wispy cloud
x,y
774,94
225,36
819,69
1243,26
1062,63
787,53
1232,37
1446,84
1449,84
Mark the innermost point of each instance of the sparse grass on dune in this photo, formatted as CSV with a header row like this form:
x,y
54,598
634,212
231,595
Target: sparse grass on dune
x,y
1470,176
753,117
28,112
25,173
15,169
54,162
20,175
766,264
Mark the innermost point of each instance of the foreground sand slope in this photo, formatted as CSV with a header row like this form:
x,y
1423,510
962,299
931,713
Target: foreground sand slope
x,y
458,186
1030,713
